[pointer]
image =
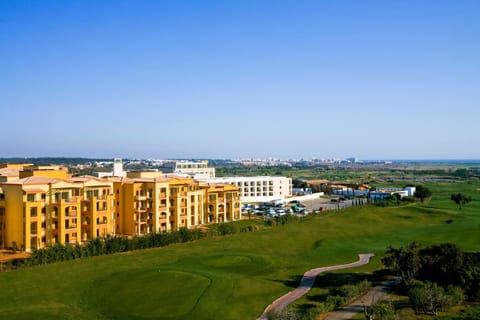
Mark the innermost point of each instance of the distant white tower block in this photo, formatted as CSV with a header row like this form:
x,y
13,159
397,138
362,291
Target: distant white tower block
x,y
118,168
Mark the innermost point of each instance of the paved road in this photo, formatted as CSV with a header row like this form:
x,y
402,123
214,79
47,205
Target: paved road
x,y
355,307
306,284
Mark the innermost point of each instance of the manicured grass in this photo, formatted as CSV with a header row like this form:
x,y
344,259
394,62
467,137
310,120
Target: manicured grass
x,y
232,277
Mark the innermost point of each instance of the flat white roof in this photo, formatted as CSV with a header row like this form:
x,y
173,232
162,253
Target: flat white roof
x,y
244,178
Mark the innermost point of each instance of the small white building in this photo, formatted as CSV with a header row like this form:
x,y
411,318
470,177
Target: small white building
x,y
258,188
117,170
385,193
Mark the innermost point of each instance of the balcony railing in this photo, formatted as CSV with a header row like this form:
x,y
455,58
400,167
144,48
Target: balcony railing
x,y
71,213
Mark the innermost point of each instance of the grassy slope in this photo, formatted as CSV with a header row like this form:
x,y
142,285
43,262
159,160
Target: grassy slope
x,y
231,277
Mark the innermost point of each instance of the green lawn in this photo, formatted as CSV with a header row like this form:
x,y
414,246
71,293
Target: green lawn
x,y
231,277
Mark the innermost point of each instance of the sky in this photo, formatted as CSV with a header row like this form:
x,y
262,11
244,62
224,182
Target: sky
x,y
240,79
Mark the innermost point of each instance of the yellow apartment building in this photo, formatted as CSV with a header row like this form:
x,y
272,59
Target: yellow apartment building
x,y
50,171
97,207
11,171
169,203
157,204
2,219
41,211
222,203
38,211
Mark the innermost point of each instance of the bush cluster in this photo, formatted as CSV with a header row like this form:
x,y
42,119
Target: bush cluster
x,y
345,294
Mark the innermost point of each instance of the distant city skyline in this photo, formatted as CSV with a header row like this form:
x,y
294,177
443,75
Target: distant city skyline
x,y
375,80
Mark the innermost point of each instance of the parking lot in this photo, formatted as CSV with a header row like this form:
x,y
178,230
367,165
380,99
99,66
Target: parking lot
x,y
303,207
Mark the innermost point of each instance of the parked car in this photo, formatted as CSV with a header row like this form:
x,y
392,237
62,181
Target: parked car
x,y
303,211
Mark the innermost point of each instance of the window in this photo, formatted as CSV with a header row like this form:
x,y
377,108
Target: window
x,y
33,228
2,212
31,197
33,212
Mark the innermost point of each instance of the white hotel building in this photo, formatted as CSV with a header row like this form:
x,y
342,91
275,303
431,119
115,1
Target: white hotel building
x,y
259,188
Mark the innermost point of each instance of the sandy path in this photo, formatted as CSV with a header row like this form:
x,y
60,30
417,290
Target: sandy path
x,y
356,307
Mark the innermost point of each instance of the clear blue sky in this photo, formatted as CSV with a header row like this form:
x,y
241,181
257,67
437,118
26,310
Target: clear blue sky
x,y
220,79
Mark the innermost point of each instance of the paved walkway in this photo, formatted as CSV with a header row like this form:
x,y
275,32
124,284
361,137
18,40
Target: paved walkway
x,y
306,284
356,306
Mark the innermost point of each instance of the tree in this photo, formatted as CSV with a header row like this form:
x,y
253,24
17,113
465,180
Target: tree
x,y
441,264
428,297
460,199
422,193
405,262
462,173
379,310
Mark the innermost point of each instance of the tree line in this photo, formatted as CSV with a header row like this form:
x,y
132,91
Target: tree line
x,y
436,277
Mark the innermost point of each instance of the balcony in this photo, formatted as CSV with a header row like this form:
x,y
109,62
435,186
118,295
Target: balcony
x,y
140,198
74,199
141,209
71,226
71,213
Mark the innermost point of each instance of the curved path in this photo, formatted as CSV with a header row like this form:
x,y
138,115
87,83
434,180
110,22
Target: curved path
x,y
306,284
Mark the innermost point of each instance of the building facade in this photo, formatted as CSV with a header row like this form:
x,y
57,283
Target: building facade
x,y
38,211
192,168
169,203
259,188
